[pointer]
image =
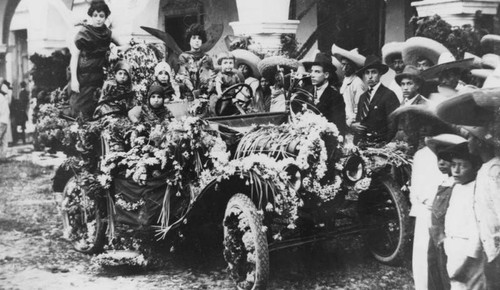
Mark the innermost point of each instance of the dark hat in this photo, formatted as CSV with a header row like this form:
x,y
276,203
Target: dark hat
x,y
460,151
482,133
323,60
156,89
421,114
373,61
410,72
123,65
465,110
447,61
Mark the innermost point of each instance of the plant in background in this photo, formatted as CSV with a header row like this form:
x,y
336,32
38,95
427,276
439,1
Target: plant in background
x,y
49,72
457,39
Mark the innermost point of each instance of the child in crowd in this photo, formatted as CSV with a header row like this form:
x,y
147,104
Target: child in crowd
x,y
153,109
438,276
116,94
113,105
163,76
465,259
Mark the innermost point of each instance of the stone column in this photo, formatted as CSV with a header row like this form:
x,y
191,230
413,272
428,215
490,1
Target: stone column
x,y
264,21
456,12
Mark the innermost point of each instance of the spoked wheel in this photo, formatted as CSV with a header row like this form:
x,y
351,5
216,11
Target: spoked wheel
x,y
83,222
245,244
225,106
383,210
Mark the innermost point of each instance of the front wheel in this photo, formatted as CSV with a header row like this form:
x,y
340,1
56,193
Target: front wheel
x,y
83,221
384,211
245,244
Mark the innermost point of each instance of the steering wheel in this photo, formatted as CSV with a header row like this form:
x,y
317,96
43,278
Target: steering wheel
x,y
225,106
301,98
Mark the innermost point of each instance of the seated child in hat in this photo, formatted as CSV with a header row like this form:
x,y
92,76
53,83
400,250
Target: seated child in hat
x,y
114,104
162,75
225,78
465,259
153,110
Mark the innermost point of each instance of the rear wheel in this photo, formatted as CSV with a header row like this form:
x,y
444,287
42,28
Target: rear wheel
x,y
383,210
83,221
245,244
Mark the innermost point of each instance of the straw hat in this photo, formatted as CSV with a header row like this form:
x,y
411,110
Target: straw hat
x,y
248,58
481,73
423,114
490,38
477,61
268,66
441,141
416,47
446,61
464,109
491,60
352,55
480,132
411,72
493,80
391,50
373,61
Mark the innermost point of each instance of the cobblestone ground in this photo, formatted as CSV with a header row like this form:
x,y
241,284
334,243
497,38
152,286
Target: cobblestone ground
x,y
34,256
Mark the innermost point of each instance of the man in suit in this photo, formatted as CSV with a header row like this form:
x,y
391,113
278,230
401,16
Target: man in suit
x,y
325,97
375,105
410,82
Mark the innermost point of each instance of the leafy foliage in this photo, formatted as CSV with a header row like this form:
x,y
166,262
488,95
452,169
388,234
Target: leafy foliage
x,y
49,72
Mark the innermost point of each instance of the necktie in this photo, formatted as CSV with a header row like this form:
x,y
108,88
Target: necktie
x,y
365,105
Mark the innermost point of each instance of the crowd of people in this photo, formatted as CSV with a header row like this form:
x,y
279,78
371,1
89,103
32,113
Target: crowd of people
x,y
414,93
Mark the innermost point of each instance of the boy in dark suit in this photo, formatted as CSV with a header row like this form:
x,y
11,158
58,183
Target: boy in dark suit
x,y
326,98
375,105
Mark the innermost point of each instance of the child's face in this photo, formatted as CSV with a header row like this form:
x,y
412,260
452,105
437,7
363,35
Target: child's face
x,y
462,170
156,101
121,76
444,166
227,65
163,77
195,42
98,18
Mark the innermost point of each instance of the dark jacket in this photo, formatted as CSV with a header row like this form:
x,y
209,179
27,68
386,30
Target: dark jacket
x,y
331,105
377,121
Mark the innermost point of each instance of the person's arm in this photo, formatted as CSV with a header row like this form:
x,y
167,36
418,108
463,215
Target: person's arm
x,y
73,65
218,84
391,105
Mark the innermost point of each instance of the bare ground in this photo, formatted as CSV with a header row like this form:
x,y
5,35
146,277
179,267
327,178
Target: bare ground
x,y
33,254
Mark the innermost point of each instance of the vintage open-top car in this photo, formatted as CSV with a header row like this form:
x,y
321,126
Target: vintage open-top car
x,y
269,180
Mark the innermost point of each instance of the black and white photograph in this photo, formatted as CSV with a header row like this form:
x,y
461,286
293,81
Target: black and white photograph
x,y
250,144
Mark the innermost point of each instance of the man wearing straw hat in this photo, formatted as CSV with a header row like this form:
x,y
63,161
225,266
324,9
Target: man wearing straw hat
x,y
352,86
375,105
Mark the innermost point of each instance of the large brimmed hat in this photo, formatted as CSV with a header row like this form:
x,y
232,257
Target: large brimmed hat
x,y
491,60
417,47
446,61
465,110
422,114
492,80
391,50
481,73
352,55
411,72
490,38
439,142
268,67
477,62
480,132
321,59
248,58
460,151
372,61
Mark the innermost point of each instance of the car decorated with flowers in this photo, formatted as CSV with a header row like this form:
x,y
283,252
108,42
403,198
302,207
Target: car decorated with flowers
x,y
266,181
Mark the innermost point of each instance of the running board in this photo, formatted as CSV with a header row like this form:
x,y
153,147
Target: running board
x,y
344,231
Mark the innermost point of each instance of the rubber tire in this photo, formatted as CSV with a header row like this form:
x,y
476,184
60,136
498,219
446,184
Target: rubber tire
x,y
245,204
101,226
402,206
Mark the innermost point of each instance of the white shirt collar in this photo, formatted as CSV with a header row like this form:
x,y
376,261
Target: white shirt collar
x,y
374,90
